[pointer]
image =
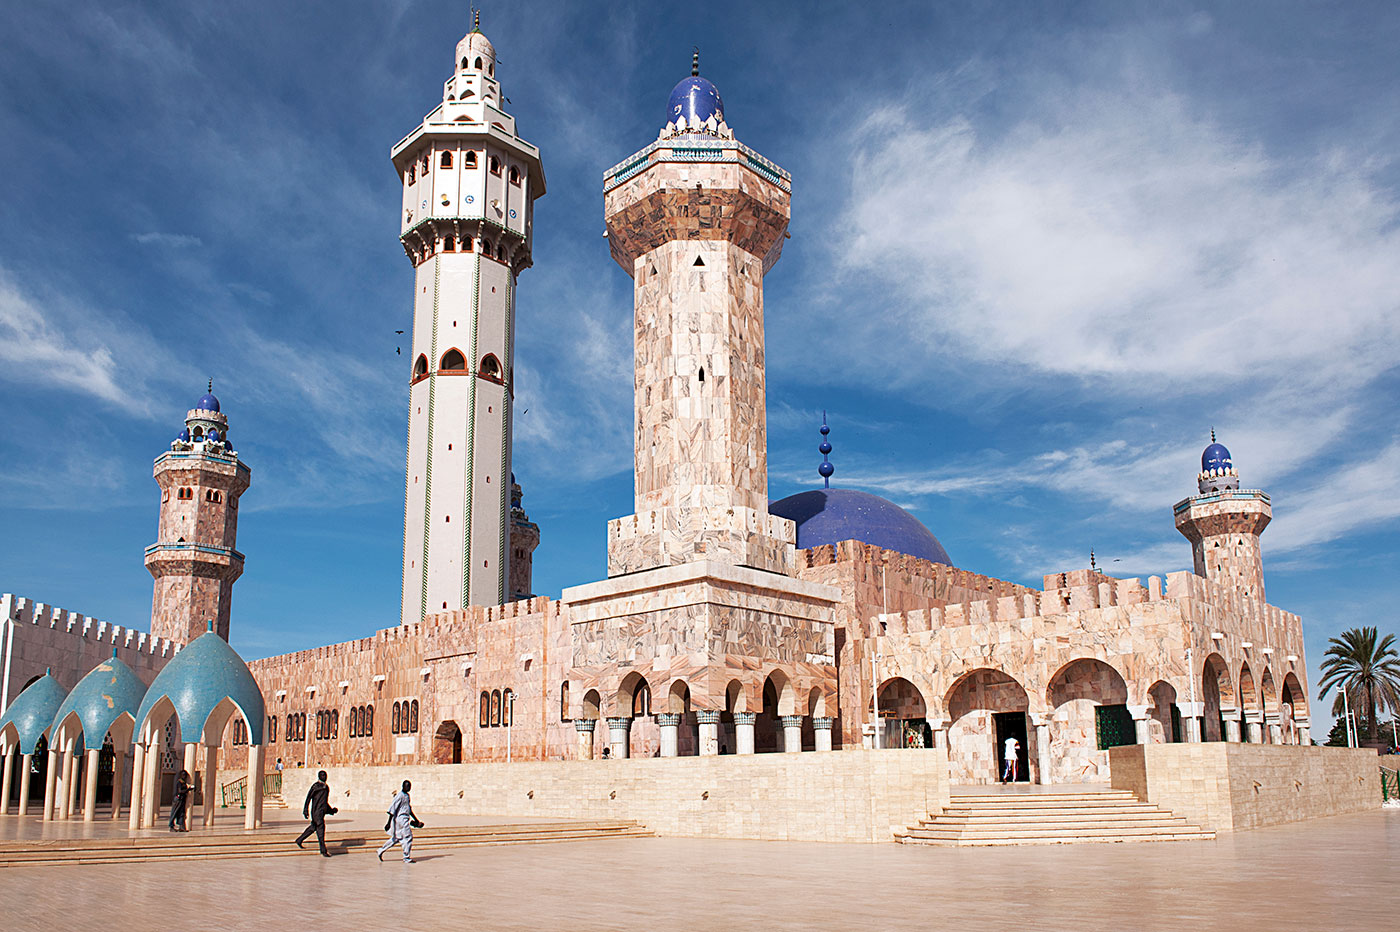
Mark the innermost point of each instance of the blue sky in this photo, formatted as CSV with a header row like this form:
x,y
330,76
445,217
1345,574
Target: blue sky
x,y
1037,252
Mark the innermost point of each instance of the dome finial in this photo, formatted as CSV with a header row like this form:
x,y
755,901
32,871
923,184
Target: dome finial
x,y
211,385
1212,435
695,62
476,20
1093,564
825,469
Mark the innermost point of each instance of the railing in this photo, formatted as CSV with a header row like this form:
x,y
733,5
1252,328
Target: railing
x,y
237,791
272,784
1390,784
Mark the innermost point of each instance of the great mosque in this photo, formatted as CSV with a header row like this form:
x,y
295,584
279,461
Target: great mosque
x,y
727,625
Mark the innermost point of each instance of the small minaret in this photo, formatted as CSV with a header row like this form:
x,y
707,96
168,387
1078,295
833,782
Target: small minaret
x,y
469,186
193,559
524,538
697,219
1223,524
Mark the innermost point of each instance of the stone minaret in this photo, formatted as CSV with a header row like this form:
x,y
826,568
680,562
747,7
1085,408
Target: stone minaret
x,y
193,559
697,219
469,183
1223,524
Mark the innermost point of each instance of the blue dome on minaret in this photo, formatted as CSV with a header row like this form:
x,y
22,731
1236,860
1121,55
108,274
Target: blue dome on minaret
x,y
695,98
208,402
1215,456
1218,472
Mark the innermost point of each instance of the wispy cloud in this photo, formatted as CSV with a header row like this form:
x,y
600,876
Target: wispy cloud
x,y
173,240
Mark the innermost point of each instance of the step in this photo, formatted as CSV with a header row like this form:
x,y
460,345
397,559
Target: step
x,y
1101,839
1080,832
1051,811
991,825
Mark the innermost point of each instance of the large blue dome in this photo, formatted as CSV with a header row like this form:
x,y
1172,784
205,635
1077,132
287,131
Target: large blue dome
x,y
1215,456
207,403
197,680
32,712
697,100
828,516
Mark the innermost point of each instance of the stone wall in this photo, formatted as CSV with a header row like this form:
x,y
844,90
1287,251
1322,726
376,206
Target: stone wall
x,y
849,796
1225,786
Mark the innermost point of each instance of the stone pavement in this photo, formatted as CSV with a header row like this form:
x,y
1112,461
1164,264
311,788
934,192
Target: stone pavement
x,y
1332,874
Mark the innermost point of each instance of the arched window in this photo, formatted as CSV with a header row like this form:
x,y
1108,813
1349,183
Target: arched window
x,y
394,725
445,161
514,175
491,70
335,723
501,251
506,698
369,721
272,729
413,719
490,367
425,164
486,248
412,173
301,726
564,702
464,63
641,701
291,727
485,719
352,731
466,244
449,244
495,707
420,366
470,160
453,361
495,164
478,61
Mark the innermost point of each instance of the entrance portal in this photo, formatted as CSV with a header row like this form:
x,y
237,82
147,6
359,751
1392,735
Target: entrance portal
x,y
1012,725
447,744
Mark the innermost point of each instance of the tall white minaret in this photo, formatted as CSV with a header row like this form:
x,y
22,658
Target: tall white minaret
x,y
469,184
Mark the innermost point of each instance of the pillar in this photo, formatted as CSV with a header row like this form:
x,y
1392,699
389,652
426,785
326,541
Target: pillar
x,y
670,724
90,785
26,763
821,731
1232,726
1254,730
150,784
1190,713
1042,753
252,816
5,781
118,778
50,784
619,737
138,773
71,777
792,733
708,725
743,732
1141,729
211,778
1301,734
940,735
585,728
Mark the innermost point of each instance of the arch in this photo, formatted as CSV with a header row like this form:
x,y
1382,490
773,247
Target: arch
x,y
736,698
1295,695
1248,696
632,688
413,718
453,361
783,693
1293,709
495,708
984,706
1268,694
514,175
484,718
678,698
367,721
501,251
396,721
1217,695
564,701
494,163
1089,703
447,743
449,244
592,701
1087,678
901,699
464,63
469,159
477,64
445,160
1166,717
816,703
490,368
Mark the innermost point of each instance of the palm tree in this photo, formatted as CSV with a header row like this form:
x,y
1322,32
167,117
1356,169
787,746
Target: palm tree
x,y
1365,669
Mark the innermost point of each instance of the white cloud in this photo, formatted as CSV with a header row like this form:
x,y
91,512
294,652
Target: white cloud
x,y
171,240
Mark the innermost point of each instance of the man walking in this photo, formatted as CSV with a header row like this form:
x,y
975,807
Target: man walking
x,y
316,808
401,824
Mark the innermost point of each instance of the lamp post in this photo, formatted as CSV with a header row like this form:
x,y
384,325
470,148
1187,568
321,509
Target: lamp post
x,y
510,722
1346,713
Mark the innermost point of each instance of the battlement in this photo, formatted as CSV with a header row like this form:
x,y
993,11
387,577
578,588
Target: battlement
x,y
77,625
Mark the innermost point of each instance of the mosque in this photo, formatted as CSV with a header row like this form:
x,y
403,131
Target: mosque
x,y
727,625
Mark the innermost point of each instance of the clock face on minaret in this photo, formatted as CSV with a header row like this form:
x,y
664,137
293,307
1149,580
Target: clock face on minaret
x,y
469,185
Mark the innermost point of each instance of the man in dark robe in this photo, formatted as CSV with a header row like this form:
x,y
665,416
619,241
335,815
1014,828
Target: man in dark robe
x,y
316,808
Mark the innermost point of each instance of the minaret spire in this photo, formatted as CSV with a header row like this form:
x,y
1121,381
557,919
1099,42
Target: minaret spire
x,y
695,63
825,469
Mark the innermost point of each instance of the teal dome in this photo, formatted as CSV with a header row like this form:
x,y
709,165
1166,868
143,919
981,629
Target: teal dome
x,y
201,676
32,711
109,691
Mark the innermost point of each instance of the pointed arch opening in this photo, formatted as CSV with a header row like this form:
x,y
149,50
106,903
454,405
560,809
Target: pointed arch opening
x,y
453,361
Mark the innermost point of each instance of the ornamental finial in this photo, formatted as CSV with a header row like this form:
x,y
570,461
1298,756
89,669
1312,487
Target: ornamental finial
x,y
695,62
211,385
825,469
1212,435
1093,564
476,20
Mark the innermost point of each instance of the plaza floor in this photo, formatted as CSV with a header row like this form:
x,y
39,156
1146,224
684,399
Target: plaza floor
x,y
1325,874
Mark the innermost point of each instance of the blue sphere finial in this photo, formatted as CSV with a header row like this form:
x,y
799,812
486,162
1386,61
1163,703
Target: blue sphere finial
x,y
825,469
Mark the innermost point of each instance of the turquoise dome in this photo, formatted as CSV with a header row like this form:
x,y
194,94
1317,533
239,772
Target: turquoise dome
x,y
109,691
203,674
32,711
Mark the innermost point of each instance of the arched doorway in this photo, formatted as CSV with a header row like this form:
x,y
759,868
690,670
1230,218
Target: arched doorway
x,y
1090,714
903,719
1293,710
1249,703
447,743
1217,696
986,708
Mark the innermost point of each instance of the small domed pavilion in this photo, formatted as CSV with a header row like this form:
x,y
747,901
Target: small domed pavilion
x,y
102,705
25,723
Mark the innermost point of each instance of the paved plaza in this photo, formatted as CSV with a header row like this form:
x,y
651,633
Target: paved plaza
x,y
1324,874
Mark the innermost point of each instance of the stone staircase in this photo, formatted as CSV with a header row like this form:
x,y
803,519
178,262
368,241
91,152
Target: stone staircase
x,y
197,845
1049,819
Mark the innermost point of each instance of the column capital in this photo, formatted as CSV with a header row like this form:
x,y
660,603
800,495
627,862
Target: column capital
x,y
1138,711
1191,709
822,722
668,719
585,724
619,721
745,718
706,717
791,720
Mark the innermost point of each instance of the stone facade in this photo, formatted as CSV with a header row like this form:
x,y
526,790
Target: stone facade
x,y
1224,527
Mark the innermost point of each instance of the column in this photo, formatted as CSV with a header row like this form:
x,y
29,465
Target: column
x,y
619,736
1042,753
792,733
50,784
821,730
743,732
585,727
1141,728
1232,724
940,735
255,786
118,778
1190,713
707,723
1301,734
138,773
72,774
670,724
5,781
26,762
1275,731
1254,730
211,782
90,785
150,783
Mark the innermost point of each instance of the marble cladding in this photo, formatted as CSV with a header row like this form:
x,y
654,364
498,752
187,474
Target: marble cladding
x,y
1224,535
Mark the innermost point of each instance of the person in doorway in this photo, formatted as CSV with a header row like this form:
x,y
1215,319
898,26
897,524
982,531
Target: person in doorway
x,y
279,765
400,825
607,753
316,808
180,803
1008,772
